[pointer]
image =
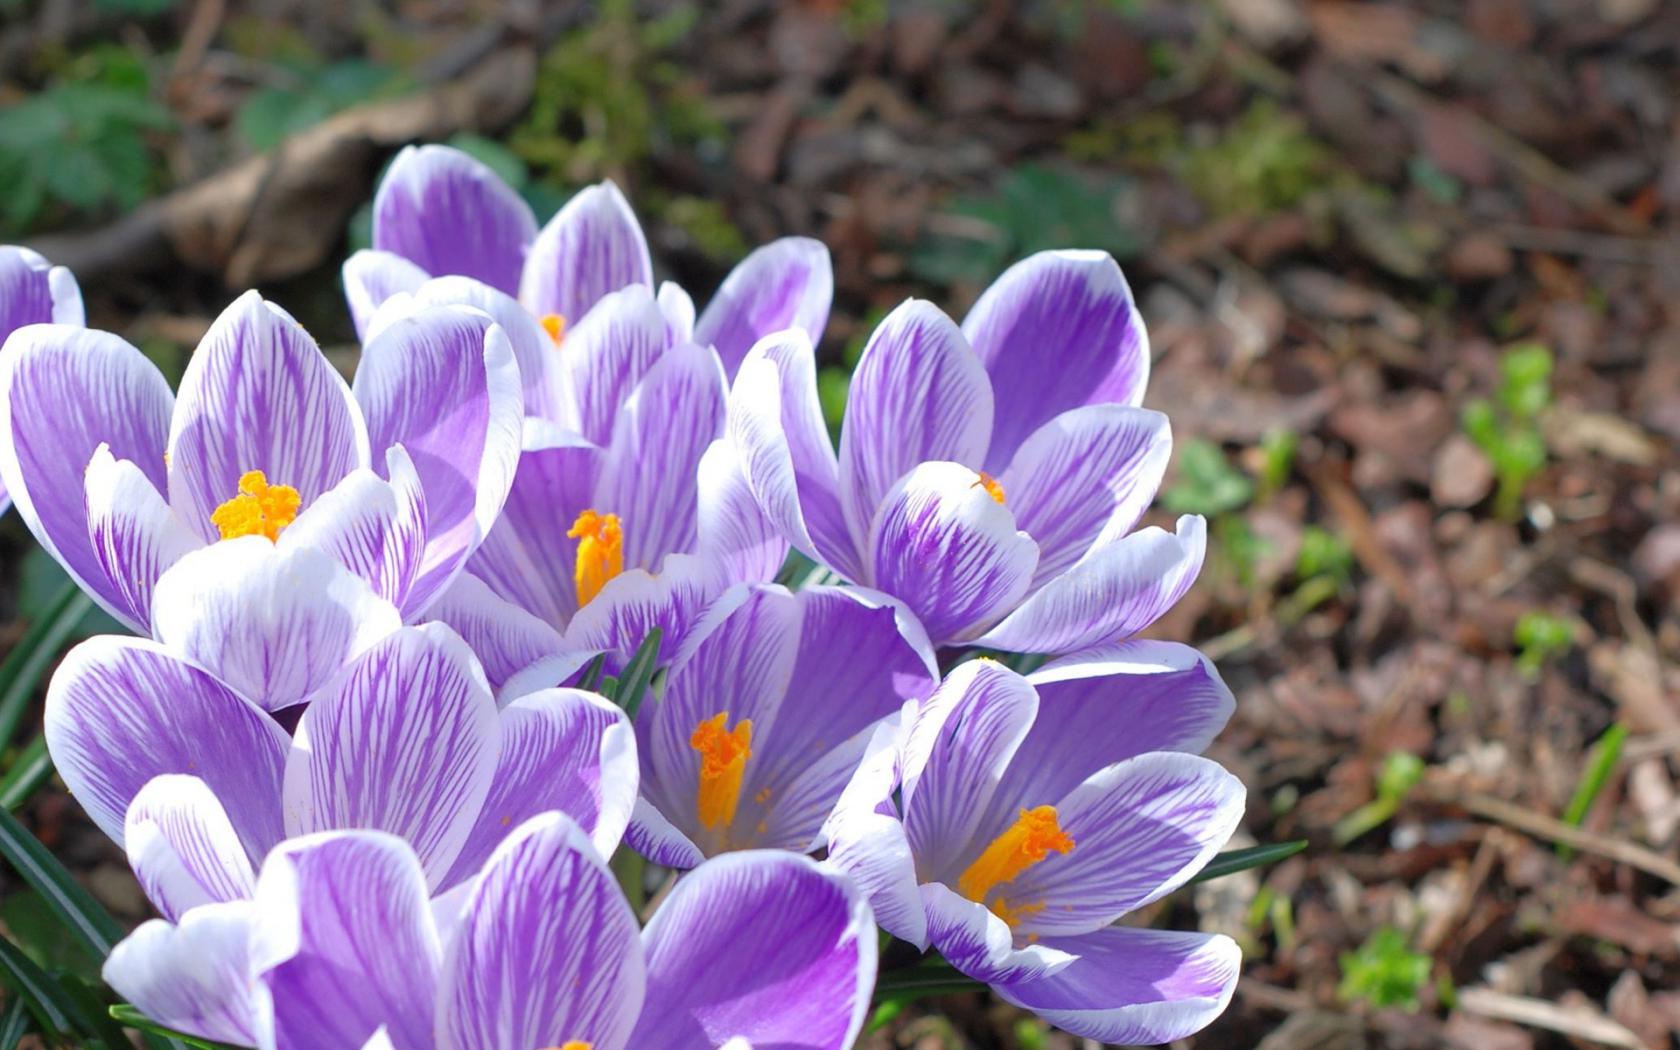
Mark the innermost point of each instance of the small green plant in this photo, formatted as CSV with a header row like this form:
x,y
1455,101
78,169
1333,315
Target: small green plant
x,y
83,143
1541,637
1601,761
1207,482
1400,772
1323,553
1033,208
1384,972
311,92
1263,162
1506,428
1277,459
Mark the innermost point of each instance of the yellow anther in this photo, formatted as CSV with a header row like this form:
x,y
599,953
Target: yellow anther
x,y
990,484
723,761
260,509
600,553
555,326
573,1045
1033,837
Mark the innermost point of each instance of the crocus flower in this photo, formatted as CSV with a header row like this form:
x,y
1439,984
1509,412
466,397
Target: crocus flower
x,y
342,949
33,291
989,476
402,736
440,212
766,711
118,478
1032,813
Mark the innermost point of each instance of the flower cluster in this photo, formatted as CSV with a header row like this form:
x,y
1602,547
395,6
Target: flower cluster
x,y
355,753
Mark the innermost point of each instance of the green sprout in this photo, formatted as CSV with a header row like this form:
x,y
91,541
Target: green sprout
x,y
1400,772
1506,428
1541,637
1384,971
1277,459
1207,482
1323,553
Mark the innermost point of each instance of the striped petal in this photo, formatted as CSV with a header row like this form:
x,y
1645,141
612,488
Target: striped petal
x,y
370,278
258,395
182,847
405,742
1057,330
195,977
591,247
448,213
788,283
64,392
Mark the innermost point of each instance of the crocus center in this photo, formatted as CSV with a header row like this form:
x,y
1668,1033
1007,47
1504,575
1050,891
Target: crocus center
x,y
600,553
990,484
555,326
723,760
260,509
1033,837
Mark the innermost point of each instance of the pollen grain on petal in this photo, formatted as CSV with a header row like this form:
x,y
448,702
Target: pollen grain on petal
x,y
990,484
600,553
723,763
260,509
555,326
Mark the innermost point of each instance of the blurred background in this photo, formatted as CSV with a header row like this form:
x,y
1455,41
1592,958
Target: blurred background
x,y
1410,273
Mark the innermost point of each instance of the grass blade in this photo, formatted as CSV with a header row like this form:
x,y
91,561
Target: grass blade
x,y
28,772
14,1023
55,1006
1232,861
34,653
75,907
130,1017
1601,761
632,685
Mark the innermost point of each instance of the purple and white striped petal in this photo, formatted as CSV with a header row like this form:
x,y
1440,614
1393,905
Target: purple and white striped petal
x,y
592,246
135,533
650,475
604,356
342,942
64,392
1141,828
1106,705
919,394
274,625
1116,590
633,604
450,214
1088,472
866,838
660,841
121,711
533,349
979,943
943,545
404,742
370,278
182,847
195,977
860,657
564,750
788,283
733,533
443,384
776,425
527,558
374,527
1133,986
766,947
34,291
505,638
258,395
956,752
1057,330
678,308
546,952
